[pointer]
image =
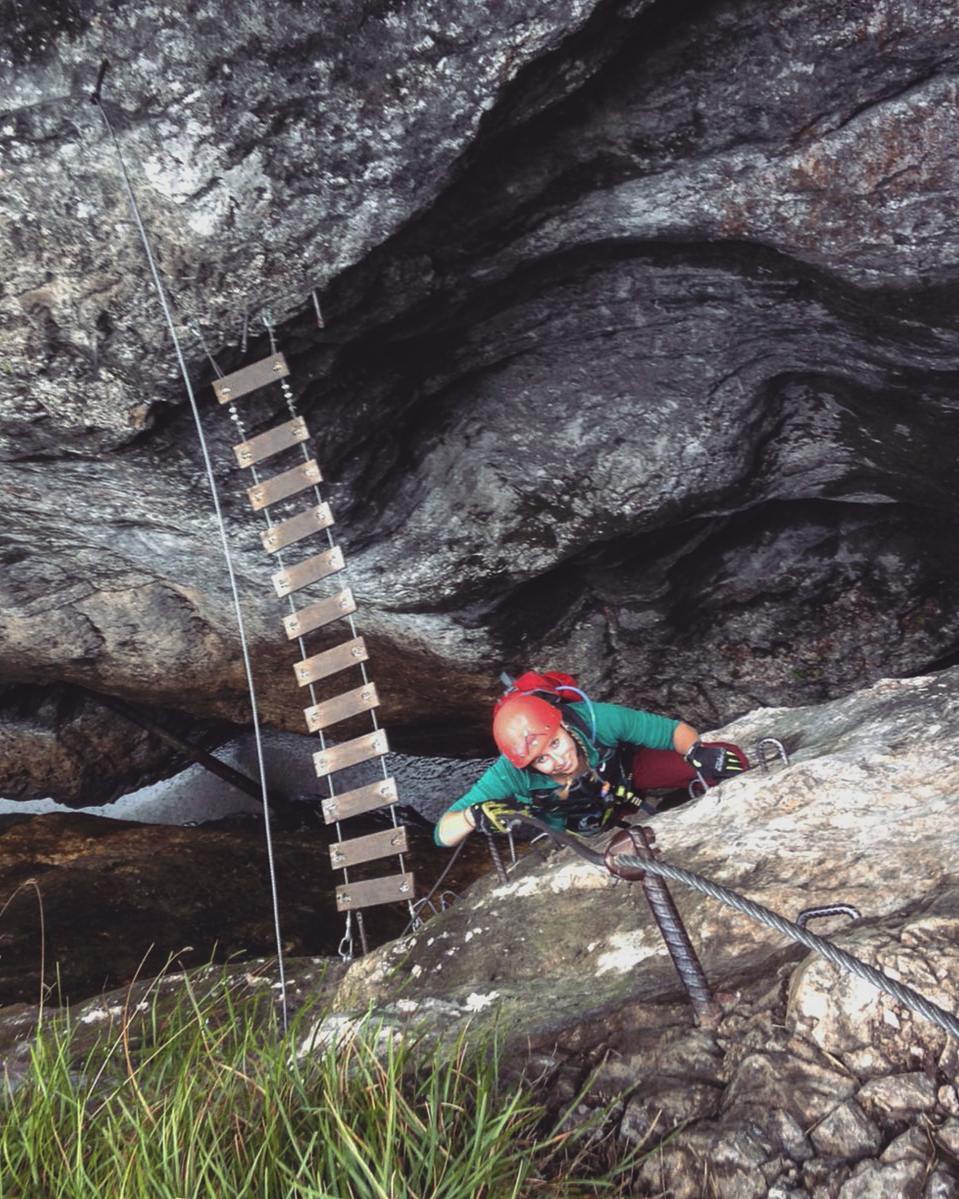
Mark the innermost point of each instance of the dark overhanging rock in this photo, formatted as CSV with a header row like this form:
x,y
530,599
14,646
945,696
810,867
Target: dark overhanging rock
x,y
709,296
273,148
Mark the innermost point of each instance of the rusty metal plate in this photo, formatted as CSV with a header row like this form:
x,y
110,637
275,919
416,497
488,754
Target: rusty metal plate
x,y
280,487
392,888
265,445
249,378
351,753
320,666
351,703
359,800
367,849
296,528
314,616
311,570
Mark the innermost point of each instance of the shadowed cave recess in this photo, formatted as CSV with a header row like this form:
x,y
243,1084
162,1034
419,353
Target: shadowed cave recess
x,y
639,360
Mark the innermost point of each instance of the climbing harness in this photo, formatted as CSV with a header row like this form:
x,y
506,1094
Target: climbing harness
x,y
650,863
168,318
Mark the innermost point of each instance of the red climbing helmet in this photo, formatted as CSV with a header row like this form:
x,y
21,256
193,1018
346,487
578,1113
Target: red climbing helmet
x,y
523,726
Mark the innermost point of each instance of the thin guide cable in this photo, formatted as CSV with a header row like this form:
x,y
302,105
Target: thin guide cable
x,y
168,317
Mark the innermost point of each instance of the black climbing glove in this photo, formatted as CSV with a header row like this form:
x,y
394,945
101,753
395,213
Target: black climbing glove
x,y
713,762
494,816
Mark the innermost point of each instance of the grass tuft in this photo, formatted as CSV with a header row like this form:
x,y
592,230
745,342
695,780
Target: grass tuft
x,y
205,1099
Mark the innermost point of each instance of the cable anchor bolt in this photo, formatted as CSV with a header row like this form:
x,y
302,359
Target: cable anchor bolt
x,y
828,909
766,743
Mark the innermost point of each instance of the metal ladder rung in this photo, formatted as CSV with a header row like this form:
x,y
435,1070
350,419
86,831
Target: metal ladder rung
x,y
313,520
311,570
282,486
265,445
324,611
249,378
360,800
389,889
341,707
321,666
386,844
350,753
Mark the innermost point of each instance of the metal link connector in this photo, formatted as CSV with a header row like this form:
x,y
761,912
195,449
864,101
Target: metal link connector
x,y
828,909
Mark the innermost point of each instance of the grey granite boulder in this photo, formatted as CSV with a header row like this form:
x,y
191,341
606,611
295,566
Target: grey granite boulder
x,y
806,1082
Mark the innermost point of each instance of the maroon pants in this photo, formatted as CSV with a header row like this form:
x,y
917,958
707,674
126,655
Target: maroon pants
x,y
665,770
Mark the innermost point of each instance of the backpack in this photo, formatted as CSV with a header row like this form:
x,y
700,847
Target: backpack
x,y
552,684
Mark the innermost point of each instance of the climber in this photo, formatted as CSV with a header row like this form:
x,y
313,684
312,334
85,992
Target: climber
x,y
572,764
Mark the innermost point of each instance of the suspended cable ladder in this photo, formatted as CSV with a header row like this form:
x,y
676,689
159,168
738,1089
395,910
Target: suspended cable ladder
x,y
298,486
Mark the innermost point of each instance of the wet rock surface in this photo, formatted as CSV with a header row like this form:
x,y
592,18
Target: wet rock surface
x,y
63,744
640,349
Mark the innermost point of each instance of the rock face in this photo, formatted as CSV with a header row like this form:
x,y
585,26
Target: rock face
x,y
812,1083
639,358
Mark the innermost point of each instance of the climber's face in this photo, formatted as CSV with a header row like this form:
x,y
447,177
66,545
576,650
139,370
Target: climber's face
x,y
559,756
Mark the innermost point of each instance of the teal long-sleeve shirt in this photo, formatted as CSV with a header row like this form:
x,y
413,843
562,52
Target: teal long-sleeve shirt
x,y
615,726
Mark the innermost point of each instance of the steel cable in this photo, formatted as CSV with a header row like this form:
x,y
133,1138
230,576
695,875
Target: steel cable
x,y
839,957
